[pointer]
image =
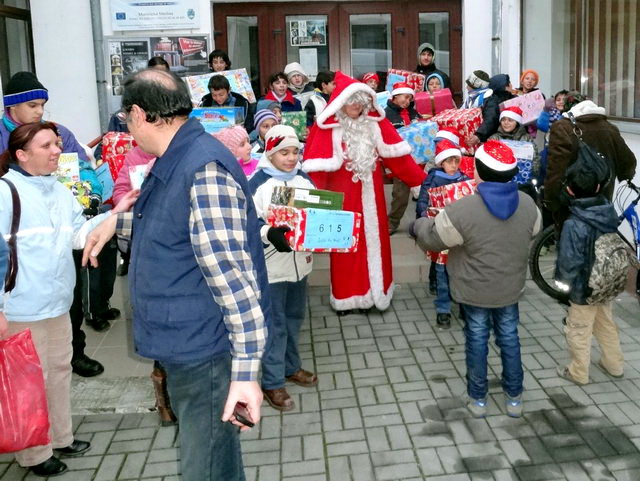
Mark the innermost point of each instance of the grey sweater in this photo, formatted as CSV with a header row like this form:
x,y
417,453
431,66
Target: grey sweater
x,y
488,237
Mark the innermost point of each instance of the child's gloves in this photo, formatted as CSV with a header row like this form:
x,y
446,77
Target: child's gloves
x,y
276,235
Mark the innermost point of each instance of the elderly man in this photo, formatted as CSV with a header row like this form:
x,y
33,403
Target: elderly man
x,y
198,280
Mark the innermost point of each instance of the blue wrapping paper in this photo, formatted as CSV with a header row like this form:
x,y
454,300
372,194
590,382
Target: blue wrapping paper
x,y
421,137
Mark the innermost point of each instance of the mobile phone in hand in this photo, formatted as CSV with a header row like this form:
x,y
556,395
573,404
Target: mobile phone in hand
x,y
242,414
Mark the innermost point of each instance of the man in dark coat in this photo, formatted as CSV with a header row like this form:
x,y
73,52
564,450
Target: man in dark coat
x,y
220,95
501,86
427,64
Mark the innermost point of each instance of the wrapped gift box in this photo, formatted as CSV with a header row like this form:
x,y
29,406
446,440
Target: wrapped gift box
x,y
421,136
467,166
415,80
439,198
531,104
238,81
523,152
318,230
297,120
433,103
383,97
214,119
466,121
116,143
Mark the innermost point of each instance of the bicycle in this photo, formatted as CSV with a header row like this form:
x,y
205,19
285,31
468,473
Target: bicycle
x,y
542,256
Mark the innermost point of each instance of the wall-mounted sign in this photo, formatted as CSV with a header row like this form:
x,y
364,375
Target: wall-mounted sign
x,y
154,14
307,33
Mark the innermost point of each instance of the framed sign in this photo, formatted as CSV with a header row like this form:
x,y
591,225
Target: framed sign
x,y
308,33
154,15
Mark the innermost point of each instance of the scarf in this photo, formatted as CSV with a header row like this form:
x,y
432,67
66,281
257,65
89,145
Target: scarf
x,y
8,122
278,174
404,113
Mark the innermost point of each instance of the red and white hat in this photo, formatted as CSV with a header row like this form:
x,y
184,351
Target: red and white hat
x,y
446,149
402,88
513,112
370,76
495,162
449,133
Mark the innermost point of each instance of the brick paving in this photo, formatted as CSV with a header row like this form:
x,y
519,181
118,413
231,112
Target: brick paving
x,y
389,406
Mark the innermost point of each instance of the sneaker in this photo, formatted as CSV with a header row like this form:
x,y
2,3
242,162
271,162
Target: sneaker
x,y
443,319
477,407
563,372
514,406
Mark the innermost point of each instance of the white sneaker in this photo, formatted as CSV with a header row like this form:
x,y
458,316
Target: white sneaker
x,y
477,407
514,406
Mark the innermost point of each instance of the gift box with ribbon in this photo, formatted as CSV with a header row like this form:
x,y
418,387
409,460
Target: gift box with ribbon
x,y
531,105
428,103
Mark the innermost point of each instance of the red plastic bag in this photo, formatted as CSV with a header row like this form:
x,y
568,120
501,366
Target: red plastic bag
x,y
24,416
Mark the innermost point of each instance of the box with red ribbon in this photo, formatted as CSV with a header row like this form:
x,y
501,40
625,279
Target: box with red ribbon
x,y
413,79
317,230
439,198
428,103
114,147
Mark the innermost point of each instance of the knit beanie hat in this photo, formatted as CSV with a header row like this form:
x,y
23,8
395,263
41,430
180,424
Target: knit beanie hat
x,y
532,72
370,76
23,87
232,137
262,115
295,68
514,112
449,133
426,46
268,104
280,137
495,162
435,75
479,79
446,149
401,88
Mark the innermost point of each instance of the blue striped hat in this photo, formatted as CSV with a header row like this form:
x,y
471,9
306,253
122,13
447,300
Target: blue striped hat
x,y
23,87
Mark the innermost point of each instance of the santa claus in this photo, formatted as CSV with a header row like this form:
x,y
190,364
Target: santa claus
x,y
343,153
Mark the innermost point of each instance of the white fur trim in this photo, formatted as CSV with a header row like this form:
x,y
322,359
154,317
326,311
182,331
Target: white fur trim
x,y
390,150
585,107
445,134
337,103
328,164
492,163
446,154
511,115
402,90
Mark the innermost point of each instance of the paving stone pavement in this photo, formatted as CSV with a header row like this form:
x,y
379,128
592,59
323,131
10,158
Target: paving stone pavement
x,y
389,406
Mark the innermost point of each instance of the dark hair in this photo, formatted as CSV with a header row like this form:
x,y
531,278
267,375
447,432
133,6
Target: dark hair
x,y
582,181
158,61
324,77
217,53
20,138
161,94
275,76
218,82
561,92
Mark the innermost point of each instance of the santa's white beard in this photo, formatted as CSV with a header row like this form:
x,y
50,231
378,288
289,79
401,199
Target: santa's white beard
x,y
360,154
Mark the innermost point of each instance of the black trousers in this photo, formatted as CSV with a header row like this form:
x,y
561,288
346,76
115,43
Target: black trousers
x,y
101,281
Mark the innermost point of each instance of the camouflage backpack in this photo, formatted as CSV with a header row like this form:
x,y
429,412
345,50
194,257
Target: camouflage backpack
x,y
608,276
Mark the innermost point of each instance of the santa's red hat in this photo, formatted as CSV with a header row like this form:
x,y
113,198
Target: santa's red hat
x,y
401,88
446,149
370,76
450,133
495,162
513,112
345,87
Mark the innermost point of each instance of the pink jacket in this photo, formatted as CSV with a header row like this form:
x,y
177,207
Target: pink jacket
x,y
133,158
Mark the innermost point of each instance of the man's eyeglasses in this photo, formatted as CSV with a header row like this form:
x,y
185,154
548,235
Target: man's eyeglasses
x,y
122,116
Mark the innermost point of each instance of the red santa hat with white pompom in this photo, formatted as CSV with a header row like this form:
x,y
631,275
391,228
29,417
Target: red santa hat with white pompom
x,y
512,112
446,149
495,162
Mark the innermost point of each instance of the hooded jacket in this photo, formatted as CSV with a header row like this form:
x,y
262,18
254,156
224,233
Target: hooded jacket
x,y
488,237
598,133
589,218
431,68
491,107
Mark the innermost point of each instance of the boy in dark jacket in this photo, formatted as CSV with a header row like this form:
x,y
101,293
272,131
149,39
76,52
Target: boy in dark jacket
x,y
400,112
591,215
220,95
445,172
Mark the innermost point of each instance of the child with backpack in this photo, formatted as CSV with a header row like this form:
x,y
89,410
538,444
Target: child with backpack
x,y
592,268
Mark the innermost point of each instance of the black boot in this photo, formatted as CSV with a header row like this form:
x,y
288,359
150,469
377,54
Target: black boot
x,y
443,320
51,467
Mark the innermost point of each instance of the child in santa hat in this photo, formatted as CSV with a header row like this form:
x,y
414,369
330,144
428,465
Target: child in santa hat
x,y
287,270
445,172
372,80
488,237
401,112
343,153
236,140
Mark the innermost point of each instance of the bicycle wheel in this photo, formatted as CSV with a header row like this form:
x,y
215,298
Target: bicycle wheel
x,y
542,263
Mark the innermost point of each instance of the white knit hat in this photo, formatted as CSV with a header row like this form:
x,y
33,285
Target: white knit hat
x,y
280,137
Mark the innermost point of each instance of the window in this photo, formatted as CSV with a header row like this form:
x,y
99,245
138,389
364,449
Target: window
x,y
16,45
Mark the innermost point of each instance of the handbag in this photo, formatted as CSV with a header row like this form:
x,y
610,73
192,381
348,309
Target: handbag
x,y
12,243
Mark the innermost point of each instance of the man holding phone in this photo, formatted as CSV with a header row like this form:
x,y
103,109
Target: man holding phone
x,y
198,280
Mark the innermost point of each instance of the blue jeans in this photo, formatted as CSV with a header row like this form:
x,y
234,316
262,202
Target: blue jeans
x,y
209,448
281,357
478,323
443,298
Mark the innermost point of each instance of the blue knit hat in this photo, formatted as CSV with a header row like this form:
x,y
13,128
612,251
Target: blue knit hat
x,y
23,87
262,115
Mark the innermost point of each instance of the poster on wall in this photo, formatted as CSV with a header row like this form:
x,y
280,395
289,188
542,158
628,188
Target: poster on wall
x,y
154,15
134,55
185,55
307,33
115,66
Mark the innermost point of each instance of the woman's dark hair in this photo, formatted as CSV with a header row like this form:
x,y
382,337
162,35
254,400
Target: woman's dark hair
x,y
217,53
161,94
218,82
275,76
20,138
157,62
561,92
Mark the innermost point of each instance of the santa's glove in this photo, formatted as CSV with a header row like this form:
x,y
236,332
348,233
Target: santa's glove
x,y
276,236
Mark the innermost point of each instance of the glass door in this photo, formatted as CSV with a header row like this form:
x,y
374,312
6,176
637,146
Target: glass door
x,y
242,45
370,44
